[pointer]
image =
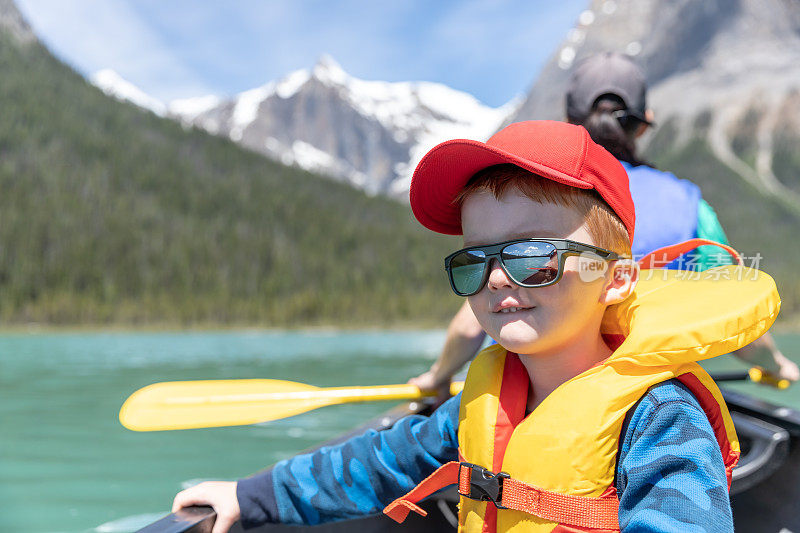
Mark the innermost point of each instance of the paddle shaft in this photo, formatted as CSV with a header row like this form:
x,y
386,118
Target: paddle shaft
x,y
333,394
754,374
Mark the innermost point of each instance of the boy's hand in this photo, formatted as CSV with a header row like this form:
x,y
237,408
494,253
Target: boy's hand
x,y
787,369
764,353
428,382
221,495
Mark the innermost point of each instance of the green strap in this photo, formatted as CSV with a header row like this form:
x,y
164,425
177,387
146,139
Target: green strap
x,y
708,227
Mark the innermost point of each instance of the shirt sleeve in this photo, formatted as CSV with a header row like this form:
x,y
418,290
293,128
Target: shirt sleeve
x,y
708,227
357,477
671,475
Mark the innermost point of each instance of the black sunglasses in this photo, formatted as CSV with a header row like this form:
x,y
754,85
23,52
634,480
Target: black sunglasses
x,y
528,262
628,120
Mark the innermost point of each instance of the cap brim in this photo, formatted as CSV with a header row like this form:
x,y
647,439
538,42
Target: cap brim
x,y
445,170
641,118
626,100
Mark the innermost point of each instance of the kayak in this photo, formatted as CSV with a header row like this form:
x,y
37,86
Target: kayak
x,y
764,493
766,484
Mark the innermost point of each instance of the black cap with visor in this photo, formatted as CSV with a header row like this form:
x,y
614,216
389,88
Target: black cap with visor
x,y
606,73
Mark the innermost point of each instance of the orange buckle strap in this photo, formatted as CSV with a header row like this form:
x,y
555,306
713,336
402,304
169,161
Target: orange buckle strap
x,y
444,476
478,483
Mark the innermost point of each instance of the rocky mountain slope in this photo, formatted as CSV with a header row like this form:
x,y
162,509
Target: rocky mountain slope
x,y
14,25
733,65
724,79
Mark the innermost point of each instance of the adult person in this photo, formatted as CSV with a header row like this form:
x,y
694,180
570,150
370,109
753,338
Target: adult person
x,y
607,96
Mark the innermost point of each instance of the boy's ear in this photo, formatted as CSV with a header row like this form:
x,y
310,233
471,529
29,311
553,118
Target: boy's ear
x,y
623,275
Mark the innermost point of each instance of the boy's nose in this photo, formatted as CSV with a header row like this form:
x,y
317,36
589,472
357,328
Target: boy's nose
x,y
498,278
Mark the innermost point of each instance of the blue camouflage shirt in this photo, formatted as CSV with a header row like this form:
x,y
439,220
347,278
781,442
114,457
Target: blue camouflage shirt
x,y
670,473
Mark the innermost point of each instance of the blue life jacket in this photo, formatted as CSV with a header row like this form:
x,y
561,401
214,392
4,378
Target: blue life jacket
x,y
666,209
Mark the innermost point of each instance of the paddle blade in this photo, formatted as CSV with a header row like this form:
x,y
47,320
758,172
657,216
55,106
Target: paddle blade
x,y
215,403
759,375
456,387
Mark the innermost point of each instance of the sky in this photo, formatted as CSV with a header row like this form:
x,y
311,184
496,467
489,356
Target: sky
x,y
492,49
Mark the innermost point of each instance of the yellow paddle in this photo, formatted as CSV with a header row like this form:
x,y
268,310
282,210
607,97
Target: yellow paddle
x,y
759,375
234,402
214,403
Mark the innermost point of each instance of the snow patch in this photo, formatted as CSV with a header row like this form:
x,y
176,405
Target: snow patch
x,y
566,57
114,85
190,108
313,159
609,6
247,103
245,110
292,83
484,122
633,48
328,71
273,145
576,36
310,157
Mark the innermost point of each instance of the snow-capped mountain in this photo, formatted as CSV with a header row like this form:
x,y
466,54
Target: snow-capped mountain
x,y
369,133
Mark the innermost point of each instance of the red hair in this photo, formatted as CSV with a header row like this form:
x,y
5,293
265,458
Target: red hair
x,y
605,227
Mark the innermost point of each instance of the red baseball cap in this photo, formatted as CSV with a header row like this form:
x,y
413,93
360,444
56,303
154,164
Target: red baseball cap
x,y
554,150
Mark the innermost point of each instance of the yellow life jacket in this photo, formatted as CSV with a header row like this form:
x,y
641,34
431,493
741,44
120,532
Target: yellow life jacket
x,y
559,462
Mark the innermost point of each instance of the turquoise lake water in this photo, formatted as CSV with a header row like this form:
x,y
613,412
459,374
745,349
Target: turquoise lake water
x,y
66,464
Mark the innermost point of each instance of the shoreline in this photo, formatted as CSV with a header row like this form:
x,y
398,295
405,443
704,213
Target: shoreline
x,y
789,325
34,329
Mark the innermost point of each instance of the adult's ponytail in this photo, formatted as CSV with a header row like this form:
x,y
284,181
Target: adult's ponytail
x,y
607,130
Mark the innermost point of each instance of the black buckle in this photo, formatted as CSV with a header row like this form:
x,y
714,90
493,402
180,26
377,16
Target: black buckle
x,y
484,485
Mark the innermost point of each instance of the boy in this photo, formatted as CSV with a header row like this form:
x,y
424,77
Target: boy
x,y
587,440
607,94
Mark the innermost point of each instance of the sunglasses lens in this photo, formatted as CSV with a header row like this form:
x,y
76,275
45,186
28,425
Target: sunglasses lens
x,y
531,263
466,271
